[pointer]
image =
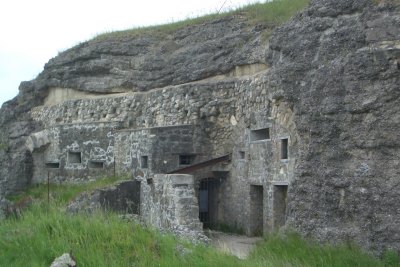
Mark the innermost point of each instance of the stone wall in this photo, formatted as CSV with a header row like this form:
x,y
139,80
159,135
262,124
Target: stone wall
x,y
74,152
171,205
203,119
158,149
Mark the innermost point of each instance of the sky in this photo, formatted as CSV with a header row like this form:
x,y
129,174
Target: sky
x,y
34,31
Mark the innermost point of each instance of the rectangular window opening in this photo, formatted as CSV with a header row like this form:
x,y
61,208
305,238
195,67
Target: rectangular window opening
x,y
260,134
74,157
186,159
284,148
53,165
145,162
242,155
96,164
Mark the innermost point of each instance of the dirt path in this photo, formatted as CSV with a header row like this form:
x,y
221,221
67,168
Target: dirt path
x,y
237,245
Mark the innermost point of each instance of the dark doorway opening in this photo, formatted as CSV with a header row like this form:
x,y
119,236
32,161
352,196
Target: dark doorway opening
x,y
280,204
256,210
209,202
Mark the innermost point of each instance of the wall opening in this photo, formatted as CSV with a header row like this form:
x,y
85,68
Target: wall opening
x,y
52,165
256,210
74,157
186,159
259,135
242,155
279,205
208,202
96,164
144,162
284,148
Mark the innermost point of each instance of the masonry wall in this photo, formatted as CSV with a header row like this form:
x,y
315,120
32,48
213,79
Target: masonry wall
x,y
75,152
171,204
206,119
159,149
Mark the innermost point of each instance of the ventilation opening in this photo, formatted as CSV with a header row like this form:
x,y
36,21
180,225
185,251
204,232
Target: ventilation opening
x,y
280,204
53,165
259,135
96,164
284,148
74,157
242,154
144,162
256,210
186,159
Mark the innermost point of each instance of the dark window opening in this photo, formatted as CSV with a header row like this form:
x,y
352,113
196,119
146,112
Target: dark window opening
x,y
74,157
145,162
284,148
260,134
242,155
53,165
186,159
96,164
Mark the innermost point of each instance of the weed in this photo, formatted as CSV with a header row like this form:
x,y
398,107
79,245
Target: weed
x,y
271,13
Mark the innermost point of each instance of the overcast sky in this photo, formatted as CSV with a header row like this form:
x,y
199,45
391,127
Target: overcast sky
x,y
33,31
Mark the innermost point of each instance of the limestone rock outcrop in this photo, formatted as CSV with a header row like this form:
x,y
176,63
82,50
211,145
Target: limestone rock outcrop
x,y
338,64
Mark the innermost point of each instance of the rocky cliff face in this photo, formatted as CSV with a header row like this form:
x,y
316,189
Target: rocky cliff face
x,y
146,62
336,66
338,63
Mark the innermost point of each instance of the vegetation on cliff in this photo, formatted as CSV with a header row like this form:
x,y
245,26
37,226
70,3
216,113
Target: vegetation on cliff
x,y
45,231
271,13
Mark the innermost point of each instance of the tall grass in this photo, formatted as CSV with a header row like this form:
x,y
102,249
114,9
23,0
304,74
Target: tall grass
x,y
61,194
271,13
45,231
292,250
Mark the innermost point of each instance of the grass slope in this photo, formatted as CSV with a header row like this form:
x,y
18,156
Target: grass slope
x,y
271,13
45,232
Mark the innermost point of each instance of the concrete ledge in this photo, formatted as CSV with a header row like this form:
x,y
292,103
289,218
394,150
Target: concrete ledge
x,y
174,179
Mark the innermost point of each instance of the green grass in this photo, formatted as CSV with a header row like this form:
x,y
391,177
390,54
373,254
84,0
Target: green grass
x,y
272,14
292,250
60,194
45,232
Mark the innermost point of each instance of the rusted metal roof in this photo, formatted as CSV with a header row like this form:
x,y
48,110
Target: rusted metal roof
x,y
201,165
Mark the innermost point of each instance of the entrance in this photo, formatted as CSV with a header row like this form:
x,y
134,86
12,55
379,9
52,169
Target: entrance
x,y
256,210
208,202
280,203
